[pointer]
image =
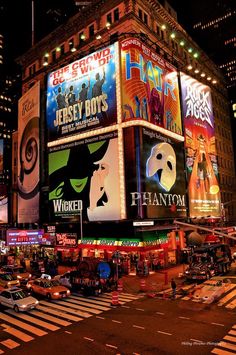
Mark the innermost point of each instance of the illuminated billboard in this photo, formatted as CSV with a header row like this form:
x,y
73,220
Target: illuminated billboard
x,y
3,204
85,171
201,159
28,156
82,95
1,155
149,86
155,180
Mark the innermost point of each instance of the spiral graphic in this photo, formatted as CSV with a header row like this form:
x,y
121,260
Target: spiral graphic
x,y
28,183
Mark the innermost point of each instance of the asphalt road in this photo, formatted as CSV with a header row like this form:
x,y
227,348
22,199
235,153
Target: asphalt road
x,y
145,326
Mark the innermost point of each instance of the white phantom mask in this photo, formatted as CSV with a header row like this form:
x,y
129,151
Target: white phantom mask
x,y
162,162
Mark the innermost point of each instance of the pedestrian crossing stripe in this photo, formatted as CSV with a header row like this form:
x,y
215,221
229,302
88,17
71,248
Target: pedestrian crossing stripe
x,y
228,347
52,315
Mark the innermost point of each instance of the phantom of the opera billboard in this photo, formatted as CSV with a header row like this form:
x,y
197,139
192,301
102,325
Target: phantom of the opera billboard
x,y
84,175
201,160
82,95
155,181
28,155
149,86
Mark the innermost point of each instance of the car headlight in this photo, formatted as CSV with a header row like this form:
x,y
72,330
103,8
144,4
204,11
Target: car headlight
x,y
8,283
202,272
186,272
19,277
29,276
56,293
68,292
37,302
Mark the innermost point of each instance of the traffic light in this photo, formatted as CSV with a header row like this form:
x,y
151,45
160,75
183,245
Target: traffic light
x,y
172,240
182,240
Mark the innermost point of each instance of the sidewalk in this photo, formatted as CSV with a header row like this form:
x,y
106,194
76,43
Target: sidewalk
x,y
156,281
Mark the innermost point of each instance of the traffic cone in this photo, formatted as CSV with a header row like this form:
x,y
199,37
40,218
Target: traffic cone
x,y
143,285
115,298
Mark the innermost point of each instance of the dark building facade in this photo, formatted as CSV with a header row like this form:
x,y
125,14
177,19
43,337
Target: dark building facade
x,y
107,101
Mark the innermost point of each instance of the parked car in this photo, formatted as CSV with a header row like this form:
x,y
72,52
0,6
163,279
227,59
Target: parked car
x,y
17,271
7,280
17,299
209,291
48,288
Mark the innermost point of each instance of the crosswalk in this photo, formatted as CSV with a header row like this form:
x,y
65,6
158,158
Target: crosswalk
x,y
228,300
228,345
50,316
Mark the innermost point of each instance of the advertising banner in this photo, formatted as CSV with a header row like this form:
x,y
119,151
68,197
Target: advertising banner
x,y
84,175
28,156
3,204
82,95
17,237
155,181
66,239
149,86
201,159
1,155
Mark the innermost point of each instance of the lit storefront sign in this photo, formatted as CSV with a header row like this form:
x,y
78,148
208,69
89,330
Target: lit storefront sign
x,y
24,237
66,239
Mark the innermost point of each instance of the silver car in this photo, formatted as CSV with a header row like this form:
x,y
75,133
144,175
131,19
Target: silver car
x,y
17,299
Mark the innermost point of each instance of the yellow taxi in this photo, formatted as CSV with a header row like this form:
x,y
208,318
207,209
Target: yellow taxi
x,y
18,272
7,280
48,288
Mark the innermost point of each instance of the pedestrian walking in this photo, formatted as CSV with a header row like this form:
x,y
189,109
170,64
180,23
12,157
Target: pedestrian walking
x,y
173,286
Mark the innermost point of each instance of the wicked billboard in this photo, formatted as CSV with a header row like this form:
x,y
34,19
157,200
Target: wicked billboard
x,y
82,95
201,159
84,175
155,181
149,87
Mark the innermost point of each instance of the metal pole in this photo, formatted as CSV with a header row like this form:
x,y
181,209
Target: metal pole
x,y
81,230
32,19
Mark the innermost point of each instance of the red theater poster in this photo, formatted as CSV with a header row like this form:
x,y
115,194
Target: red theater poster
x,y
149,87
201,163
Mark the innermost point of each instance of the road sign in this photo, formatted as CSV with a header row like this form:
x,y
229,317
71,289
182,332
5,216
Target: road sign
x,y
143,223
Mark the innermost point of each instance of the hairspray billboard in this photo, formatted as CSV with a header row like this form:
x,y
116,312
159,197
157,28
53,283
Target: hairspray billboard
x,y
149,86
85,174
28,156
201,160
155,180
82,95
3,204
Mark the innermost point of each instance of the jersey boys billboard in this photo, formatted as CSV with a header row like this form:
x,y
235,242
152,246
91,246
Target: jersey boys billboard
x,y
87,171
82,95
149,87
155,181
202,170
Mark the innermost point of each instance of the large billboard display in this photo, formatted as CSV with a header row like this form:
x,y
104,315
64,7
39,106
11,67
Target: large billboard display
x,y
28,156
82,95
87,171
155,180
1,155
149,86
3,204
201,160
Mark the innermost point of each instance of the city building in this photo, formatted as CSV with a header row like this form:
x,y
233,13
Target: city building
x,y
123,127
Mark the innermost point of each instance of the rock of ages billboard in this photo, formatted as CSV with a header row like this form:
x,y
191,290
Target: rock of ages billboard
x,y
149,87
201,160
87,171
82,95
155,181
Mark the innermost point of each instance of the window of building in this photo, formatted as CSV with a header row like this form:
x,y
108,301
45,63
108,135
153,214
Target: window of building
x,y
71,44
32,69
54,55
82,38
143,16
116,15
91,31
62,49
109,18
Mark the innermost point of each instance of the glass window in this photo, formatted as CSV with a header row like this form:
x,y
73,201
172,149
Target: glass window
x,y
116,15
91,31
